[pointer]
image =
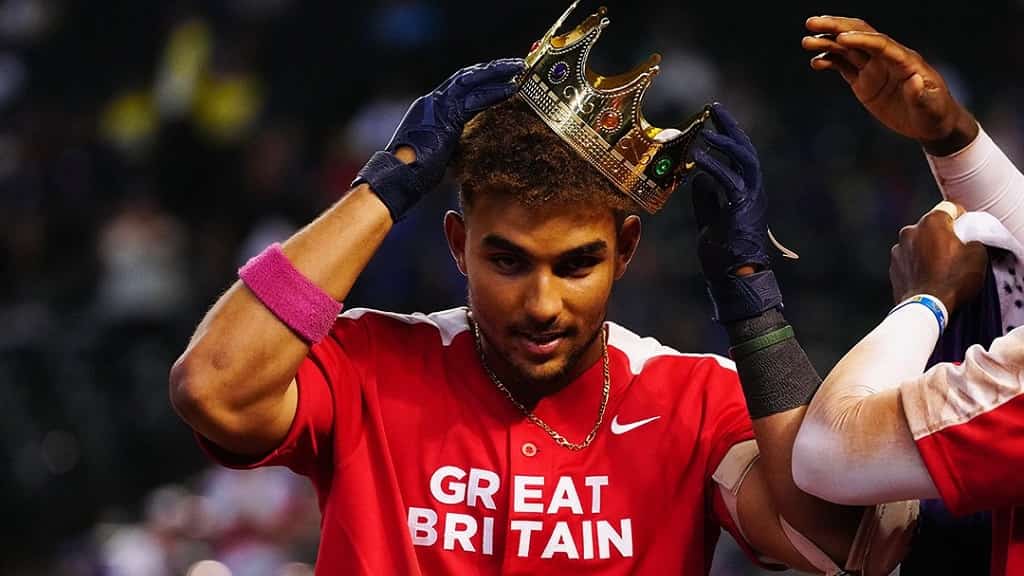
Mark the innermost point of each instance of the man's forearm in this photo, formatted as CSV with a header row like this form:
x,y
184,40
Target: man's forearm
x,y
855,444
242,358
779,382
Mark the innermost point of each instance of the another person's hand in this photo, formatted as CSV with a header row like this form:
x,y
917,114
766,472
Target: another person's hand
x,y
892,81
415,160
930,259
729,204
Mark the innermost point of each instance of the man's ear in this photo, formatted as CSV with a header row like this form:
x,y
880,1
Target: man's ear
x,y
455,232
629,239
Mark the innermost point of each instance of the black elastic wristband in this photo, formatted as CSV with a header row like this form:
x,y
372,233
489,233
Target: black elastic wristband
x,y
776,378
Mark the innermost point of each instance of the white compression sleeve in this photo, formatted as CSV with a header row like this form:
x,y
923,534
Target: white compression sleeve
x,y
981,178
855,446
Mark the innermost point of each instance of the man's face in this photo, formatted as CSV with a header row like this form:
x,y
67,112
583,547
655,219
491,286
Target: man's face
x,y
539,282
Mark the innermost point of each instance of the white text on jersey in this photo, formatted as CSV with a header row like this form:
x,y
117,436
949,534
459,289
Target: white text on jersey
x,y
576,539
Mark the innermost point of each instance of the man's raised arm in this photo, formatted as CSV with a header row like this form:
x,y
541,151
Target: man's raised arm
x,y
906,94
781,520
235,382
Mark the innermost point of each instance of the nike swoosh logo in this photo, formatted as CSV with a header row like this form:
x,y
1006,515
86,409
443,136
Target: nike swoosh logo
x,y
623,428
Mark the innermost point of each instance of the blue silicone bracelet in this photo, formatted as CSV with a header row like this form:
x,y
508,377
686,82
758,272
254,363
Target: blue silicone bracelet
x,y
930,302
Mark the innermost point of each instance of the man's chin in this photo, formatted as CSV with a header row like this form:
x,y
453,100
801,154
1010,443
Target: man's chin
x,y
539,375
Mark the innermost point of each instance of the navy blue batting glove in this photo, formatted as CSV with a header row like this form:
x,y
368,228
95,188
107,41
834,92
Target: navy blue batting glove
x,y
432,127
730,204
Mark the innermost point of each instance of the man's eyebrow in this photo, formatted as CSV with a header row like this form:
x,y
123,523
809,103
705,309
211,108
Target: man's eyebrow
x,y
501,243
497,242
588,249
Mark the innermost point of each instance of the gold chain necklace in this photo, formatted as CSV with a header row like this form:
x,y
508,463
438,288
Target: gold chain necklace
x,y
558,438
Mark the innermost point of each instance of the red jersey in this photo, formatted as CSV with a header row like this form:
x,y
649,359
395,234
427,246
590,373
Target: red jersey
x,y
422,466
968,423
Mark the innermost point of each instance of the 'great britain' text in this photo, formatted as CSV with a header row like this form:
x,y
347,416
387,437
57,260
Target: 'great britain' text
x,y
578,539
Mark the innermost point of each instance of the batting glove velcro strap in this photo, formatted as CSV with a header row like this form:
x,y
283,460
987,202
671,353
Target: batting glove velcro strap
x,y
740,297
394,181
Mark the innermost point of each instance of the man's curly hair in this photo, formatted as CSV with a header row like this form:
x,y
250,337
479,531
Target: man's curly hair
x,y
509,150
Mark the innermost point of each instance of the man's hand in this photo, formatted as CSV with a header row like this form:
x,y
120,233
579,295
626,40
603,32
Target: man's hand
x,y
729,204
930,259
414,162
892,81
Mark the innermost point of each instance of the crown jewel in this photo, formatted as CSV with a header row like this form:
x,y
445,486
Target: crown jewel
x,y
601,117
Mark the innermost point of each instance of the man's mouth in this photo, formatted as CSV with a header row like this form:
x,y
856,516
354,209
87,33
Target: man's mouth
x,y
541,344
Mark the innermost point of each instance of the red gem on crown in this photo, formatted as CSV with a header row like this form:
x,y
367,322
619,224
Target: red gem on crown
x,y
610,120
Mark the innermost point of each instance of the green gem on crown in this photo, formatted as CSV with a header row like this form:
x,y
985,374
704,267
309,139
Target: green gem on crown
x,y
662,166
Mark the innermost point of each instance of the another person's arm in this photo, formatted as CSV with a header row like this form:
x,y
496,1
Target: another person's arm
x,y
235,382
856,444
900,89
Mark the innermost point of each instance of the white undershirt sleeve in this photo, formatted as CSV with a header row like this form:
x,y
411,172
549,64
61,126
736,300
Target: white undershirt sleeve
x,y
854,446
982,179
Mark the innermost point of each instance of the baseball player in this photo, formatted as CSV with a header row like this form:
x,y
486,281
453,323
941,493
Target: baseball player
x,y
522,433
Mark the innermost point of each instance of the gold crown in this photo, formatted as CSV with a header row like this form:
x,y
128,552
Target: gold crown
x,y
601,117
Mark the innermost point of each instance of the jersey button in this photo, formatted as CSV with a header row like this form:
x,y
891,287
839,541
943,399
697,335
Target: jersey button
x,y
529,449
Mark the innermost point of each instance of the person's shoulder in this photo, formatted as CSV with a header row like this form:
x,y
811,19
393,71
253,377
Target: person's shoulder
x,y
442,326
649,357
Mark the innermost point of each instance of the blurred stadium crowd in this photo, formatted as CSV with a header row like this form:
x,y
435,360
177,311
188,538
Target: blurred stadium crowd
x,y
149,148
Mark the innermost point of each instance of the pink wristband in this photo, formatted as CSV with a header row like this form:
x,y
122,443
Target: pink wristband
x,y
302,305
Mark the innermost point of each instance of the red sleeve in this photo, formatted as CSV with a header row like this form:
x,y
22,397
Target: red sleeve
x,y
968,423
976,465
728,425
727,422
328,410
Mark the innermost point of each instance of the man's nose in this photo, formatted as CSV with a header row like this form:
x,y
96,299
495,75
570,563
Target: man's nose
x,y
543,302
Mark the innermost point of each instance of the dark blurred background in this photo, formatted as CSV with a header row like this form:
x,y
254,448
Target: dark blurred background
x,y
147,149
